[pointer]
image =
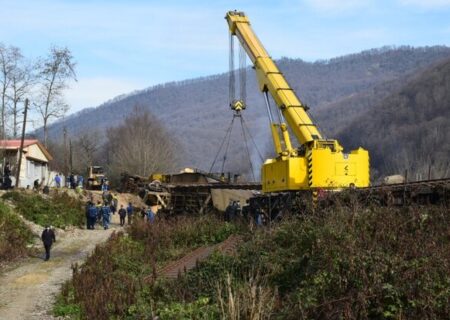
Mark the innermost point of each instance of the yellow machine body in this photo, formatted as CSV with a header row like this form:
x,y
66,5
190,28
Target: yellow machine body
x,y
320,169
318,163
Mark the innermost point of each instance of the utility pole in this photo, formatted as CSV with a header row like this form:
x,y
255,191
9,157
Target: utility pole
x,y
70,156
65,153
21,143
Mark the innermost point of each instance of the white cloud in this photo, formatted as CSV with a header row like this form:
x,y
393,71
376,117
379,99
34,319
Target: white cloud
x,y
426,4
91,92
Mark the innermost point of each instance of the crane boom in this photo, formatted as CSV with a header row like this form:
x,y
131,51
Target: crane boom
x,y
272,80
319,163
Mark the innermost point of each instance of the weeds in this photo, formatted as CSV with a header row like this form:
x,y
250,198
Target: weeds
x,y
338,263
60,210
14,235
111,282
373,263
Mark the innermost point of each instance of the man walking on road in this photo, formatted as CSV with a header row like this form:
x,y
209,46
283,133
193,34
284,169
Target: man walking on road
x,y
48,237
92,213
122,215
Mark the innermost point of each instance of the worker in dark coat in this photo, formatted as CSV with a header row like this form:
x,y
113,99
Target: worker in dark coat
x,y
72,183
122,215
7,170
229,211
48,237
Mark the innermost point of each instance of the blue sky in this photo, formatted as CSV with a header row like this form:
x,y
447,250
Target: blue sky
x,y
121,46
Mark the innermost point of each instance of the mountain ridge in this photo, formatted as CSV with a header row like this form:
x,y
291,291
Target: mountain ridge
x,y
196,110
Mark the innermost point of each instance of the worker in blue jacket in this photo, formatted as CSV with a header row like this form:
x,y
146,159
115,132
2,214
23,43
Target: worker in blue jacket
x,y
92,213
150,215
106,215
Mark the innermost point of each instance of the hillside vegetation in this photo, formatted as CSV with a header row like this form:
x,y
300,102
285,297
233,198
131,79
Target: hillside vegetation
x,y
14,235
338,91
339,263
409,129
115,272
60,210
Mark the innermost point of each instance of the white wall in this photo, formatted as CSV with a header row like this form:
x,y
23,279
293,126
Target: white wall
x,y
33,170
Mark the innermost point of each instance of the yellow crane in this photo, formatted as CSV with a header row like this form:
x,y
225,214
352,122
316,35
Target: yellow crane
x,y
318,163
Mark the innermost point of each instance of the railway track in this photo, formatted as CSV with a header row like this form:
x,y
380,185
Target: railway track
x,y
189,261
257,186
194,198
420,192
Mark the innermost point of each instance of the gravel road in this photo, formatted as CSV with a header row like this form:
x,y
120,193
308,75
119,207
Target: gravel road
x,y
28,289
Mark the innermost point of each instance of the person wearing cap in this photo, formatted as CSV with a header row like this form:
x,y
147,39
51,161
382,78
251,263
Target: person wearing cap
x,y
48,237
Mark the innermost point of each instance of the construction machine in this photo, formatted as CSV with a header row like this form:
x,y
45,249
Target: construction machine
x,y
95,177
317,162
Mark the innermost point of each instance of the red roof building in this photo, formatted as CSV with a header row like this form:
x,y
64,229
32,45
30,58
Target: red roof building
x,y
35,158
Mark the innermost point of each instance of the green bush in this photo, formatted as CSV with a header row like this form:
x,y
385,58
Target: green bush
x,y
65,304
376,263
60,210
338,263
14,235
116,271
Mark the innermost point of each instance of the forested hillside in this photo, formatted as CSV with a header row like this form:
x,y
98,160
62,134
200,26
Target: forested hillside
x,y
409,129
338,91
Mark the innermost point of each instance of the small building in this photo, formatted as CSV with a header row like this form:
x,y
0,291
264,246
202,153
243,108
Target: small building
x,y
35,159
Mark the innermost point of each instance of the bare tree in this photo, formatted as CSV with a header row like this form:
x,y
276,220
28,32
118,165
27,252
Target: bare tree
x,y
21,81
7,65
86,150
141,146
54,72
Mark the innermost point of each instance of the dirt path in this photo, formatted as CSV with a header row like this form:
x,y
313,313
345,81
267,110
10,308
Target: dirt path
x,y
28,290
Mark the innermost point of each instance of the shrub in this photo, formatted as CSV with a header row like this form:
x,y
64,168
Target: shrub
x,y
111,282
14,235
339,263
373,263
60,210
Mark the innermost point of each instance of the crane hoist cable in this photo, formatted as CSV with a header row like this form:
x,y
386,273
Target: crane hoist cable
x,y
242,74
246,134
248,151
225,155
231,74
225,138
253,140
237,104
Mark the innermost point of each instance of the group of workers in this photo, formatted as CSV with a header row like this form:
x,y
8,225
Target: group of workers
x,y
102,212
234,212
73,181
